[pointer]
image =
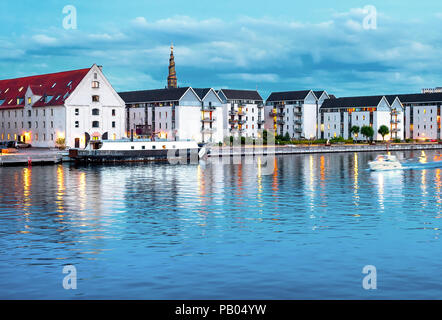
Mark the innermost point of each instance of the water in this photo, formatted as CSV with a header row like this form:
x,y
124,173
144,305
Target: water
x,y
222,232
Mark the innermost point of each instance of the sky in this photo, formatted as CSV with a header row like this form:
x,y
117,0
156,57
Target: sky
x,y
348,48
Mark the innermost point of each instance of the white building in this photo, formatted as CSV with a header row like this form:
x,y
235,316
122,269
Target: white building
x,y
294,112
76,106
175,114
243,112
422,115
337,116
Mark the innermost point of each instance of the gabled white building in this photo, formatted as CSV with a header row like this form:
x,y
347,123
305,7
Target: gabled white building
x,y
175,114
243,112
337,116
422,115
77,106
293,112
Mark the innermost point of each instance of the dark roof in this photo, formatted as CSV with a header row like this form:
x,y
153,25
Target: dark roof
x,y
242,94
157,95
349,102
201,92
417,97
318,94
288,95
56,85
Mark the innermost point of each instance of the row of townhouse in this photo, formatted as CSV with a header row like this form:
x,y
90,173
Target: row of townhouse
x,y
312,114
408,116
200,114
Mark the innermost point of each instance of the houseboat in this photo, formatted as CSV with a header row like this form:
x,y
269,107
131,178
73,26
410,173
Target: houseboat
x,y
129,150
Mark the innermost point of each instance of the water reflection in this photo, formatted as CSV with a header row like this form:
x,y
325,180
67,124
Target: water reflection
x,y
229,223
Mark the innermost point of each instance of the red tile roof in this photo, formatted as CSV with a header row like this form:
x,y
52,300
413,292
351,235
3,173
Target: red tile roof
x,y
56,85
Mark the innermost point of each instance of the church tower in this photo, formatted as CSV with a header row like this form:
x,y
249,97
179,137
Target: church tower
x,y
172,79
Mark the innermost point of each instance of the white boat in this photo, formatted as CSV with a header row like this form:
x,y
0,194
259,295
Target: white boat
x,y
385,162
136,150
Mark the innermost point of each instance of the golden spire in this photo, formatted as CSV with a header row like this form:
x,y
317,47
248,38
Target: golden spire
x,y
172,79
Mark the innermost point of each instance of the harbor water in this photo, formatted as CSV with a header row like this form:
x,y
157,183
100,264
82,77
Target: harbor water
x,y
225,231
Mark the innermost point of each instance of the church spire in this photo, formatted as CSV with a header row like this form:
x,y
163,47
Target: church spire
x,y
171,79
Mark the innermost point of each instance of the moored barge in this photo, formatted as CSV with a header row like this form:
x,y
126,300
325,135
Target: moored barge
x,y
139,150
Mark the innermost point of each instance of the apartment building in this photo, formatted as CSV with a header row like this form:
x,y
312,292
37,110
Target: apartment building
x,y
243,112
338,115
77,106
175,114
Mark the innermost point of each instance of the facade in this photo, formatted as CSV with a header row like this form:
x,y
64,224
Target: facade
x,y
294,112
338,115
77,106
175,114
243,112
422,115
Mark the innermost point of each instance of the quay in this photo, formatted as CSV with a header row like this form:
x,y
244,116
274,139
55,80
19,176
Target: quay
x,y
31,157
308,149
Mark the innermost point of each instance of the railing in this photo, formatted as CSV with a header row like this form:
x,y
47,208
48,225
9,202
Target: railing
x,y
298,122
233,121
298,113
208,119
280,122
208,108
260,106
241,113
394,130
395,121
233,112
272,113
241,121
260,121
280,114
208,130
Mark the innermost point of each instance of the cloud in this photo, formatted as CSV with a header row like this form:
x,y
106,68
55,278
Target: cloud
x,y
337,54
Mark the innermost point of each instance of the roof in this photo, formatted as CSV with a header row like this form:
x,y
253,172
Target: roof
x,y
231,94
54,88
288,95
350,102
157,95
201,92
318,94
417,97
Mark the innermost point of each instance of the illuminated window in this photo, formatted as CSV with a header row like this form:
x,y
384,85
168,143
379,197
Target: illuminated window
x,y
95,84
95,98
29,100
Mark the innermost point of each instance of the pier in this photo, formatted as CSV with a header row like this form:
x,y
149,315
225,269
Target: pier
x,y
31,157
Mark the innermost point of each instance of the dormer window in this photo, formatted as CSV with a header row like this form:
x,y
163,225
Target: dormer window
x,y
20,90
29,100
70,82
66,95
48,98
20,100
54,85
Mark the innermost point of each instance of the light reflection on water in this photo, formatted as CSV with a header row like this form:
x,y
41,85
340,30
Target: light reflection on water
x,y
224,231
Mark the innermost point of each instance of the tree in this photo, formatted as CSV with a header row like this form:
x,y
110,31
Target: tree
x,y
286,137
367,132
354,130
383,131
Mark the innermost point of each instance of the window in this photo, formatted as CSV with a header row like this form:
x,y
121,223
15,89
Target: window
x,y
29,113
113,112
95,124
95,76
132,147
29,124
95,98
77,124
77,112
95,112
113,124
36,124
95,84
52,112
143,147
52,125
36,113
44,124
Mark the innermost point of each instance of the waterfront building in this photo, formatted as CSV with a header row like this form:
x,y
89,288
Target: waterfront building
x,y
295,113
338,115
75,106
175,114
243,112
422,114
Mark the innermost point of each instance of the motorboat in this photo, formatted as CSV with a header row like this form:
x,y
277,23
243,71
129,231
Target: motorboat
x,y
385,162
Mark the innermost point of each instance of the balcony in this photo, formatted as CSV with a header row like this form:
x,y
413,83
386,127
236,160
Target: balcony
x,y
260,121
208,130
299,122
241,121
208,120
233,112
298,130
395,130
260,106
298,114
280,122
395,121
272,114
233,121
208,108
241,113
394,112
280,114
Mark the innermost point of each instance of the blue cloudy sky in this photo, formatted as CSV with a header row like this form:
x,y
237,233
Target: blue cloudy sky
x,y
273,45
